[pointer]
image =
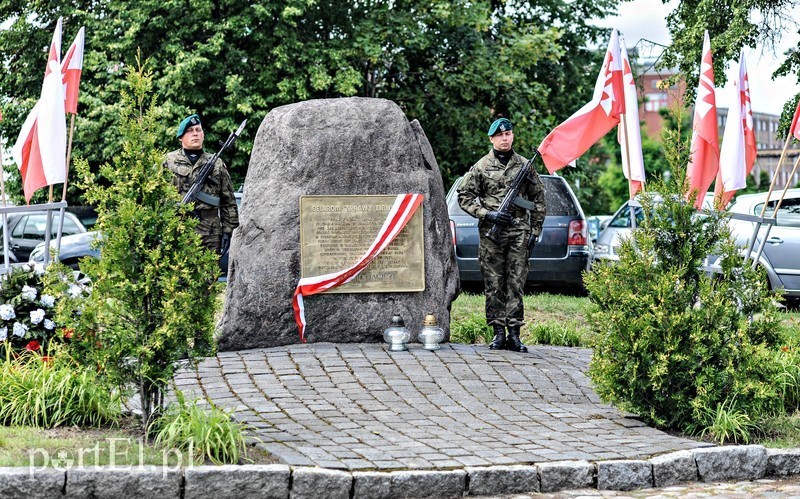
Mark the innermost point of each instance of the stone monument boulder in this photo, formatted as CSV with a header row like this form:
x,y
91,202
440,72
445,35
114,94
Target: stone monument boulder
x,y
331,147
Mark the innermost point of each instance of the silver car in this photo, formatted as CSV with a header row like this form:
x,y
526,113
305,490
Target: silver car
x,y
606,246
781,256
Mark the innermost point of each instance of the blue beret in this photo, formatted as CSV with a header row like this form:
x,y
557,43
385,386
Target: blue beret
x,y
500,125
186,123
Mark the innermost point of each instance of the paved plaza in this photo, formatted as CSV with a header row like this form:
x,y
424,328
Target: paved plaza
x,y
359,407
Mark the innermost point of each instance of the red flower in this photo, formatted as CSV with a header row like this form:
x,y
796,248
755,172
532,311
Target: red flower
x,y
32,346
47,359
67,333
785,349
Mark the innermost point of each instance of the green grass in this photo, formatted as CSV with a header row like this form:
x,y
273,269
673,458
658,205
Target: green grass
x,y
550,319
24,445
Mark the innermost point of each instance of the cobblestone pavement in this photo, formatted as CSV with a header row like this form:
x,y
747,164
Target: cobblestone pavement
x,y
360,407
783,488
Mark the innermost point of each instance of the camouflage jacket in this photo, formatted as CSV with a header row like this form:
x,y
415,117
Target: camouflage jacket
x,y
486,184
217,186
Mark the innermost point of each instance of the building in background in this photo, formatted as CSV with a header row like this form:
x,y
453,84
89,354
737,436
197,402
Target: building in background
x,y
658,92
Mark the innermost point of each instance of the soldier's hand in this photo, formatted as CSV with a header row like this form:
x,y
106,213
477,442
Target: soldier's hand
x,y
499,218
225,244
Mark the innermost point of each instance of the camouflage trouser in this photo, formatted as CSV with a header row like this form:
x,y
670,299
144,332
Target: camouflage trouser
x,y
505,270
210,231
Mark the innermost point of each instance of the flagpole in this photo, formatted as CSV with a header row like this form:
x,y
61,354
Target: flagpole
x,y
757,227
64,191
5,216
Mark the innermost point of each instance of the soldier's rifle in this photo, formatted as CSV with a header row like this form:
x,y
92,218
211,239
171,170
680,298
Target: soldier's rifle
x,y
208,167
513,192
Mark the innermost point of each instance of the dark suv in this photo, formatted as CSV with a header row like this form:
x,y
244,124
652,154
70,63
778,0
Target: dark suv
x,y
562,253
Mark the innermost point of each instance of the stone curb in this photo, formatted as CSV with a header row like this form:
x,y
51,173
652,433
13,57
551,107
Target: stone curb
x,y
746,462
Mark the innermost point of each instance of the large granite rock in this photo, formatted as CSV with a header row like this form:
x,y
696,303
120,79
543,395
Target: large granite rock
x,y
330,147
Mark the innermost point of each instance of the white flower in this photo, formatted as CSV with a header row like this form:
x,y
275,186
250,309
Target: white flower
x,y
48,300
49,325
7,312
3,333
37,316
74,290
20,329
26,267
38,268
29,293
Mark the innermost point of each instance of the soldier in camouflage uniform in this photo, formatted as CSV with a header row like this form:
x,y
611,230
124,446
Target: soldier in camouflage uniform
x,y
215,205
504,264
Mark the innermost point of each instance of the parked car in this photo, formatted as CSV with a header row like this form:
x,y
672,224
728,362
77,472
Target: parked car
x,y
780,256
27,229
606,246
558,258
73,248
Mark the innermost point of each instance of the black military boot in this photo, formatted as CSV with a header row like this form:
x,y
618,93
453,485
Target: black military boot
x,y
514,343
499,340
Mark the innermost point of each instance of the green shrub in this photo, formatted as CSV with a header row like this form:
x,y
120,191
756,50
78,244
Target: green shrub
x,y
471,330
673,344
48,392
154,286
201,428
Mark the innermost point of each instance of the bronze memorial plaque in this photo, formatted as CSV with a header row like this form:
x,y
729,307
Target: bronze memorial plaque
x,y
335,231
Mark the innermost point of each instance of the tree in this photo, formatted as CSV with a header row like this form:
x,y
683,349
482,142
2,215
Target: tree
x,y
731,25
154,286
452,65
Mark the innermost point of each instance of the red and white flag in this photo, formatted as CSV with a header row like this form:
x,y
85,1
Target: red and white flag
x,y
704,161
71,68
41,148
737,159
404,207
583,129
795,128
630,135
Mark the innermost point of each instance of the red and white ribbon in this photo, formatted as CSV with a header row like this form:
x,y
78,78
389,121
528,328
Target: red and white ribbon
x,y
404,207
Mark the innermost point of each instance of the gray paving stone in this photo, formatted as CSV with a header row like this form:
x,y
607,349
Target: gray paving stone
x,y
742,462
146,482
783,462
223,482
315,483
561,475
495,480
674,468
420,484
34,483
624,475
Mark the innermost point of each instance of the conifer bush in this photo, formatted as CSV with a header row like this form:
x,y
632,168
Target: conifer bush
x,y
677,346
154,285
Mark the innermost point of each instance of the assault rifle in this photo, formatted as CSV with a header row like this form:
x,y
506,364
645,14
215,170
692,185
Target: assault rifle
x,y
208,167
511,196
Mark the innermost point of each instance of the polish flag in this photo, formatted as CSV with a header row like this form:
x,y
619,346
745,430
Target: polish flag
x,y
630,135
583,129
736,164
795,128
704,161
41,148
71,68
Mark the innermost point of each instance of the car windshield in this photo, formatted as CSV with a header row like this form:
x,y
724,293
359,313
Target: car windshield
x,y
788,215
623,218
557,198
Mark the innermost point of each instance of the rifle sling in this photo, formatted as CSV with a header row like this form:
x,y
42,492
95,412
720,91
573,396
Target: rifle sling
x,y
519,201
206,198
